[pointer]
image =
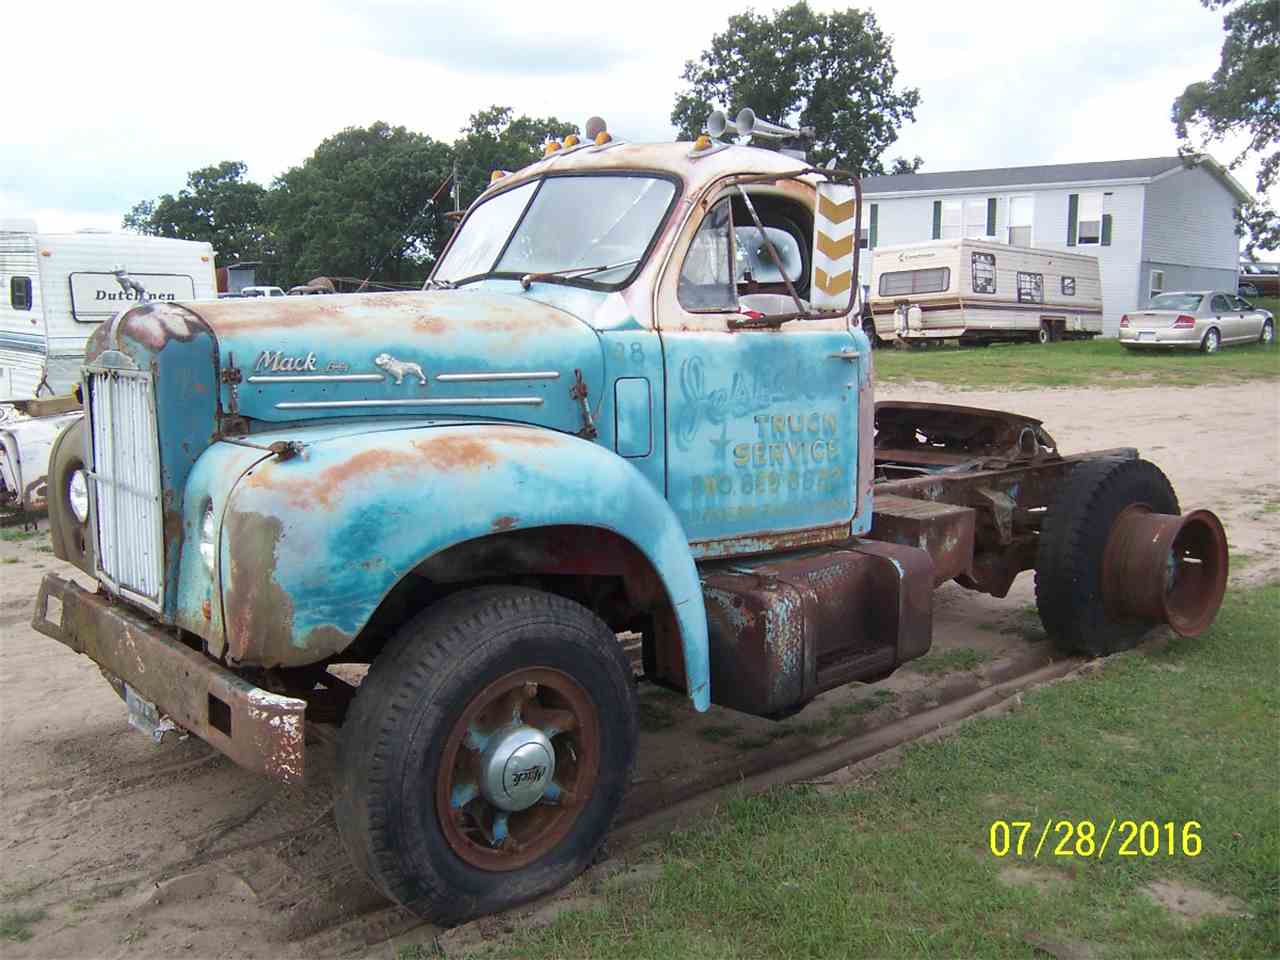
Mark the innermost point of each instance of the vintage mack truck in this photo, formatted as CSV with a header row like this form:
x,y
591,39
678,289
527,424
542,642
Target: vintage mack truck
x,y
634,395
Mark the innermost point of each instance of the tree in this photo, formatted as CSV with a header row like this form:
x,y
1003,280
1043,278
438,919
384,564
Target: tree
x,y
832,71
218,206
1242,97
367,203
903,165
494,140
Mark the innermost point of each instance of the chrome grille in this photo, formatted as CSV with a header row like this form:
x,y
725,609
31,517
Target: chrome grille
x,y
126,473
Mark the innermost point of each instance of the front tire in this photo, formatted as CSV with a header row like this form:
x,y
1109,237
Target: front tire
x,y
1268,334
487,752
1212,341
1073,541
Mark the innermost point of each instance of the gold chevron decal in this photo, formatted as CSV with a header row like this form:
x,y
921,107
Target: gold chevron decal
x,y
835,212
833,285
835,249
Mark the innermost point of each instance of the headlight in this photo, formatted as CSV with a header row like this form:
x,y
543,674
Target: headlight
x,y
208,534
78,495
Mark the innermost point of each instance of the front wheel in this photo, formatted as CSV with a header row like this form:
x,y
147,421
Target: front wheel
x,y
487,753
1211,342
1268,334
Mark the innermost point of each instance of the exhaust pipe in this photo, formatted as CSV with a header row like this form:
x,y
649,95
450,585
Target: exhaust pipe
x,y
1166,569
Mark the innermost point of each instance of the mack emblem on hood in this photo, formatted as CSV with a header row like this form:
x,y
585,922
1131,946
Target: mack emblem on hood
x,y
276,366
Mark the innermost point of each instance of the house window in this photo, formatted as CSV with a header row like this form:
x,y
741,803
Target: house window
x,y
1021,210
933,280
1030,287
984,272
20,293
952,219
975,218
1090,223
867,235
1068,286
1157,283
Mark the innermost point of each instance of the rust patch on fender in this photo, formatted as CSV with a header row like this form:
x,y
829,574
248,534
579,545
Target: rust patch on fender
x,y
453,452
257,611
504,522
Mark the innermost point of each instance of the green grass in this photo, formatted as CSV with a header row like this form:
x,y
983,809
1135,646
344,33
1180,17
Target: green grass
x,y
16,535
1101,362
899,865
15,925
950,661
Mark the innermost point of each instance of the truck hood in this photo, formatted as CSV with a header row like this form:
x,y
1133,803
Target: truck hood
x,y
432,353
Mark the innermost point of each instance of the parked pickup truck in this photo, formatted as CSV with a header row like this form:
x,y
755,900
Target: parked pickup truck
x,y
634,395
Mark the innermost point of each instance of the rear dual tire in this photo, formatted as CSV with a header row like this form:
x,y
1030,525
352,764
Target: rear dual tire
x,y
1073,542
415,799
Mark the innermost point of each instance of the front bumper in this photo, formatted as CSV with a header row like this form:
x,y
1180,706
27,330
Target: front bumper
x,y
259,730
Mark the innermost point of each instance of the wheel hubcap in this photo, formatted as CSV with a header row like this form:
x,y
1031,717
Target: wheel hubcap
x,y
517,769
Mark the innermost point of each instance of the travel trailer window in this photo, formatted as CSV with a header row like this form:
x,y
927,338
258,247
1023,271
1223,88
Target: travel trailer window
x,y
20,293
1030,287
706,279
1090,229
1021,210
933,280
984,272
1068,286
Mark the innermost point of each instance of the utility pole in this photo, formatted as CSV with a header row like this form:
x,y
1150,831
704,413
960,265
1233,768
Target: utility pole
x,y
457,193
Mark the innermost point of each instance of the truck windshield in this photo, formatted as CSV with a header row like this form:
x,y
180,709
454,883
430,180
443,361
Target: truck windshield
x,y
561,225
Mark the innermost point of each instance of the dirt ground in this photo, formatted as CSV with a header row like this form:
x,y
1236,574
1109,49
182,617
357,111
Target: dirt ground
x,y
111,846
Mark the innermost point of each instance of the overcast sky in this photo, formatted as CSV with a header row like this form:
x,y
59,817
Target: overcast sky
x,y
120,100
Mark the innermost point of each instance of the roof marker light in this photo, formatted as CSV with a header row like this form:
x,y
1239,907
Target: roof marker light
x,y
497,175
571,141
550,147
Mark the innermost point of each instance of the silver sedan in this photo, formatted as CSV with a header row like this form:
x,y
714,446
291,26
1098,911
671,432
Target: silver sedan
x,y
1199,320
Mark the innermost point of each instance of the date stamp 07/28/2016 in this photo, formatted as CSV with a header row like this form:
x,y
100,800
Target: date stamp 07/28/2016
x,y
1085,839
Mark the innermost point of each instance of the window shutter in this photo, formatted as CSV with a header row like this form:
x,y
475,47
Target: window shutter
x,y
991,216
871,226
1106,229
937,219
1073,218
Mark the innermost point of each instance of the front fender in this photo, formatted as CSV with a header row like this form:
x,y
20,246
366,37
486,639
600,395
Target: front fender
x,y
312,544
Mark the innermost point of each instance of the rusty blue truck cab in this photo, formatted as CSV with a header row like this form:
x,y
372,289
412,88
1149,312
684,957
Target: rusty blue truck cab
x,y
634,395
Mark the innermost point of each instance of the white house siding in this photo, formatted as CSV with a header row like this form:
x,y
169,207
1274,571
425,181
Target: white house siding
x,y
1190,221
1118,263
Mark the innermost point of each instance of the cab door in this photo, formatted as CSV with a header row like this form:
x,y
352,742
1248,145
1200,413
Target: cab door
x,y
761,419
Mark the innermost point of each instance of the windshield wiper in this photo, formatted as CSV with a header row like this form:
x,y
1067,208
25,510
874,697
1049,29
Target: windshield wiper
x,y
574,273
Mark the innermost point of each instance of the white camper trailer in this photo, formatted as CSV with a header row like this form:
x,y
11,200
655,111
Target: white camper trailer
x,y
981,291
55,288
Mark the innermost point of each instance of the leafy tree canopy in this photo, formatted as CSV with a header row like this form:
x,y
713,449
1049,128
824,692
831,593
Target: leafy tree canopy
x,y
831,71
218,206
362,206
1242,97
493,139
